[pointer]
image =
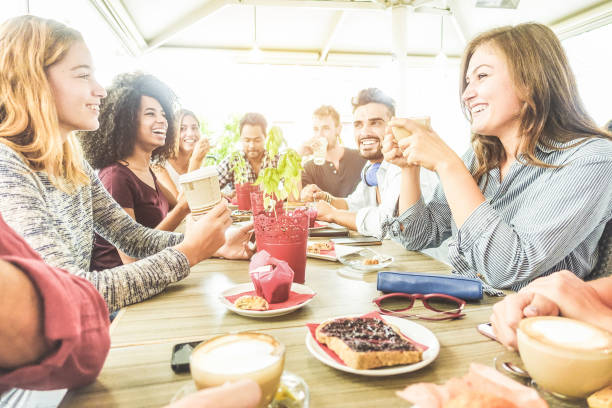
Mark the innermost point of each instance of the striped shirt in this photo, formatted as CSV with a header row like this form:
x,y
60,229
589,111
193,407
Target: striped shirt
x,y
535,222
61,226
226,170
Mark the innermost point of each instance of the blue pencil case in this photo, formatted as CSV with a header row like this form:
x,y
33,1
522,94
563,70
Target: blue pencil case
x,y
407,282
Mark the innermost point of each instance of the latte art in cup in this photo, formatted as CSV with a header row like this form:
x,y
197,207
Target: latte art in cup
x,y
232,357
566,356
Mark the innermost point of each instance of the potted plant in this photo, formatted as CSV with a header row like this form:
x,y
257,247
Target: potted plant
x,y
284,234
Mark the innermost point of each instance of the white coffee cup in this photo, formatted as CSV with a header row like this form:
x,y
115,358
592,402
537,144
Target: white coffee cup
x,y
566,356
232,357
201,189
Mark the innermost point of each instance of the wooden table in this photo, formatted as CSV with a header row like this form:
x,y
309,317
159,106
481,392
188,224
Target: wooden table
x,y
137,372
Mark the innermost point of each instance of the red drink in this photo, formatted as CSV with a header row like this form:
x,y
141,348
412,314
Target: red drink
x,y
243,195
293,253
285,237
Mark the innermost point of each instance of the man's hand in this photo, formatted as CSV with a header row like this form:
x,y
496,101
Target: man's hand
x,y
308,193
325,212
237,243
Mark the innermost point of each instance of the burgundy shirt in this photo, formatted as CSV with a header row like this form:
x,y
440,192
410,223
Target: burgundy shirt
x,y
149,204
338,182
75,315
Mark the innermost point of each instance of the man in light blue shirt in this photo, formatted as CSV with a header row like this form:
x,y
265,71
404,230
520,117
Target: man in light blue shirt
x,y
376,195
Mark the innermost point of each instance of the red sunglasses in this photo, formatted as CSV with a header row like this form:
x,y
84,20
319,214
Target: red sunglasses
x,y
453,307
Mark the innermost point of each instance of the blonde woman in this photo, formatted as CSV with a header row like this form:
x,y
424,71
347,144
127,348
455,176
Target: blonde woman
x,y
534,193
189,152
51,196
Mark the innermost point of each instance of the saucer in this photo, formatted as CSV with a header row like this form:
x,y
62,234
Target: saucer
x,y
246,287
356,260
292,392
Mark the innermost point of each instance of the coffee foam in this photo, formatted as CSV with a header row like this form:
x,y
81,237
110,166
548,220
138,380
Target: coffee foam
x,y
569,334
236,357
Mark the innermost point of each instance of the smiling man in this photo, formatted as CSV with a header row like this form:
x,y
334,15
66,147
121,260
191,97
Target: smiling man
x,y
253,138
376,194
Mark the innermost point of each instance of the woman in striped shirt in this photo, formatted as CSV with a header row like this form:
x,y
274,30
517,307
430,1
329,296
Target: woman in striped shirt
x,y
534,193
48,192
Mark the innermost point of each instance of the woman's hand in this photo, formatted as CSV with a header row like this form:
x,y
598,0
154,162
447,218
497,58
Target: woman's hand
x,y
423,147
206,235
391,151
199,153
237,242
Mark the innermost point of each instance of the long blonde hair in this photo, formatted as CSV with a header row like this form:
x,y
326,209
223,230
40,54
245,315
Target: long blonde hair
x,y
29,125
552,111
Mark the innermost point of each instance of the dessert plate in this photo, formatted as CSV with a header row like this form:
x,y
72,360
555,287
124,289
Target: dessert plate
x,y
332,255
246,287
415,331
357,260
293,392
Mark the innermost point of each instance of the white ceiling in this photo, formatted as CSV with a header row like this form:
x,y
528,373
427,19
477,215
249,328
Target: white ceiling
x,y
318,31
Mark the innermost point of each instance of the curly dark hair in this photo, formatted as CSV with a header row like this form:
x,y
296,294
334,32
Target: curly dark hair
x,y
115,138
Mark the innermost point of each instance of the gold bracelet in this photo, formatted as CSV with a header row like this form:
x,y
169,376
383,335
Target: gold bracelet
x,y
328,198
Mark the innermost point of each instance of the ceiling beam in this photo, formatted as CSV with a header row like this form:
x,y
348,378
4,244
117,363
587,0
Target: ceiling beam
x,y
328,4
335,26
187,21
121,23
583,21
461,20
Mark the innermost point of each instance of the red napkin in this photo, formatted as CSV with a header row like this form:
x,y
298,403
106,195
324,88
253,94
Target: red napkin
x,y
274,282
313,327
294,299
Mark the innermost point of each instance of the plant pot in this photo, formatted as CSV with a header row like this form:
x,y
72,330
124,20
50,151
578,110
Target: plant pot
x,y
257,203
243,195
285,237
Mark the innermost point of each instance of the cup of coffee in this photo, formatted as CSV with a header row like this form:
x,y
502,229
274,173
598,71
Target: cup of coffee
x,y
400,133
565,356
319,148
201,189
232,357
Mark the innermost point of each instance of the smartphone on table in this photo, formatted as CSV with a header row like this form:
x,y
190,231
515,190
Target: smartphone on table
x,y
180,356
486,329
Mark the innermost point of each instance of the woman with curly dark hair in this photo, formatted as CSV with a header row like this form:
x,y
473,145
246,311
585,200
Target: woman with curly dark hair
x,y
137,128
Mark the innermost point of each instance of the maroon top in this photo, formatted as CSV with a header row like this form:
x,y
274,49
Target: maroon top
x,y
75,316
149,204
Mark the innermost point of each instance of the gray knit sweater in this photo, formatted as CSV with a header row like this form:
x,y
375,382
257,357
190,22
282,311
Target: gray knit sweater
x,y
60,227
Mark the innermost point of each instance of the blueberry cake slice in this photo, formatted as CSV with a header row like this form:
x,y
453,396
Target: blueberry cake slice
x,y
364,343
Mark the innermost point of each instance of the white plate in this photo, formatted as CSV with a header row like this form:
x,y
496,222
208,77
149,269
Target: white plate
x,y
247,287
415,331
356,260
340,251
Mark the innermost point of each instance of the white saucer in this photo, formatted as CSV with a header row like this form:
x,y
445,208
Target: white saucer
x,y
356,260
415,331
246,287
